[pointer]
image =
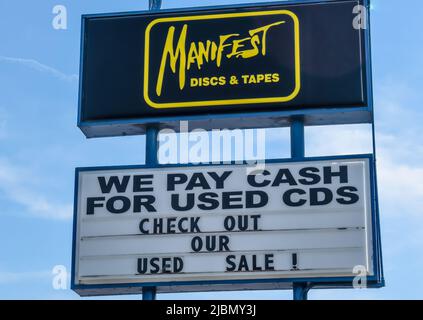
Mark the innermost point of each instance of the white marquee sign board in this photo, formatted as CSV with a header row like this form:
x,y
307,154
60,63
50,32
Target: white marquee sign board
x,y
186,224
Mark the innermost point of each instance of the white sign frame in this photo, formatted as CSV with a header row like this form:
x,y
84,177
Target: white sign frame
x,y
94,234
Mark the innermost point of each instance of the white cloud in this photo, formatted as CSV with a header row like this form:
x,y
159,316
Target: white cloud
x,y
399,147
14,184
2,124
401,186
400,179
397,108
351,294
2,128
338,140
17,277
36,65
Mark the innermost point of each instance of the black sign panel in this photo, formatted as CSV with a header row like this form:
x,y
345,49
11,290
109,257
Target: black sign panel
x,y
250,66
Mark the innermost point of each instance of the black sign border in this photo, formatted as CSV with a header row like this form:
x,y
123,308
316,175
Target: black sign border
x,y
244,120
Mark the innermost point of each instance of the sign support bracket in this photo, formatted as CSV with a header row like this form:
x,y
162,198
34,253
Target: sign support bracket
x,y
300,289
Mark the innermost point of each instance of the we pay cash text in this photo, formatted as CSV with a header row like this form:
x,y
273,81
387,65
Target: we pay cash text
x,y
239,199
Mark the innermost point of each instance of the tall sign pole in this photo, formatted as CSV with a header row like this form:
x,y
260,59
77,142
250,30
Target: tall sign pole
x,y
151,158
300,289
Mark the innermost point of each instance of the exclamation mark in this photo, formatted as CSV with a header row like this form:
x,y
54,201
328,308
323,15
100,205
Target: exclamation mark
x,y
294,262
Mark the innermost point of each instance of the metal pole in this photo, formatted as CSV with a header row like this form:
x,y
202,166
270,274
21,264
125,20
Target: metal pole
x,y
151,158
155,5
149,293
151,146
297,138
300,290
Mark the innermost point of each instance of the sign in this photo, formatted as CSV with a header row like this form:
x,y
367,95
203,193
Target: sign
x,y
196,71
256,64
183,228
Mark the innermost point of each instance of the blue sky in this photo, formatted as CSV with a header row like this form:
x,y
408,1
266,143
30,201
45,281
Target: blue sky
x,y
40,145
